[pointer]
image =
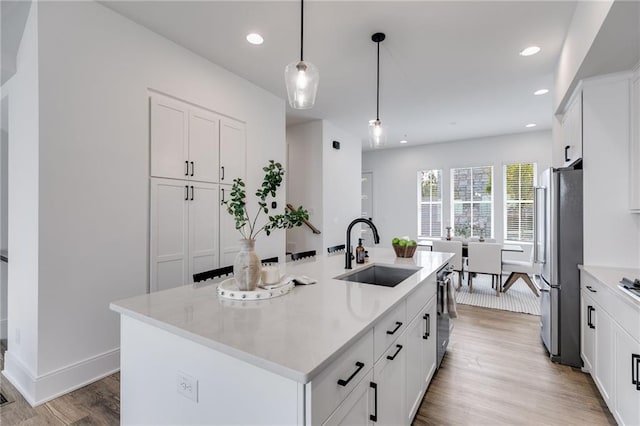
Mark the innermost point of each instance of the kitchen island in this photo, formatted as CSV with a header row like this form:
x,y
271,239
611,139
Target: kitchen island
x,y
314,355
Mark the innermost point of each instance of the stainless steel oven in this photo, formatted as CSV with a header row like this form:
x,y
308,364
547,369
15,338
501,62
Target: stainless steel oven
x,y
443,277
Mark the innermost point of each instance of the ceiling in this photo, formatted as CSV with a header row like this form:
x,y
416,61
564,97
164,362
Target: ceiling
x,y
450,70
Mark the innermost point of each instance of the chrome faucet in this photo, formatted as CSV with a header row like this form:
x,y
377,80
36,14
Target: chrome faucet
x,y
376,238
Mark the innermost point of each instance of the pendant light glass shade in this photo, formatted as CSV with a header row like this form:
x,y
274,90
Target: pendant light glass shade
x,y
377,134
300,77
302,80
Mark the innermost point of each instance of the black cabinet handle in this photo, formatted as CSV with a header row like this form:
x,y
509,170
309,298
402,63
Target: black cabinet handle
x,y
591,289
427,318
590,310
222,189
392,357
186,195
374,417
398,325
186,164
635,370
222,168
193,168
192,193
345,382
566,155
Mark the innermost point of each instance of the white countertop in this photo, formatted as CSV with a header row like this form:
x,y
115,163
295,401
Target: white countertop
x,y
611,277
295,335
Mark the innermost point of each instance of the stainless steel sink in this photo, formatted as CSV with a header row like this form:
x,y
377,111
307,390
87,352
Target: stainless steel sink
x,y
387,276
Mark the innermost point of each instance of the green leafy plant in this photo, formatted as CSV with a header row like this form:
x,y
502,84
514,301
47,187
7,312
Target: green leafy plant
x,y
237,205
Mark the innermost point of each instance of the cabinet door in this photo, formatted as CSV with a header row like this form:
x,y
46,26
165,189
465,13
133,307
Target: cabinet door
x,y
430,341
415,367
203,228
168,134
169,234
229,236
204,146
627,374
634,151
390,378
356,408
572,131
587,335
604,357
232,151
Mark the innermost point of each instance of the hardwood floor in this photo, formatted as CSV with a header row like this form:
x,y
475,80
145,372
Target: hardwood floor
x,y
495,372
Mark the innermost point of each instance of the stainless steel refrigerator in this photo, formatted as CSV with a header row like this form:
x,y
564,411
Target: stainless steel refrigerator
x,y
558,248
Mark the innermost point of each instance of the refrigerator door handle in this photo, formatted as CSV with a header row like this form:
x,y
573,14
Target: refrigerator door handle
x,y
536,223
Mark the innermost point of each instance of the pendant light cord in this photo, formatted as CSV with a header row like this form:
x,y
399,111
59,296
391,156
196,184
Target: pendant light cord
x,y
378,87
301,27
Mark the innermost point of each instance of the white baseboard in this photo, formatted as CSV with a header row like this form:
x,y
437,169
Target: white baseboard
x,y
3,328
38,390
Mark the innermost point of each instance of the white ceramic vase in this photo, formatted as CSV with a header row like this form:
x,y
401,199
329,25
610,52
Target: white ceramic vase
x,y
246,266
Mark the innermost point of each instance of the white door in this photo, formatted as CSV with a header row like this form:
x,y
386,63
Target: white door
x,y
229,236
203,228
204,146
367,206
604,357
169,238
587,336
390,375
627,377
357,408
169,142
232,151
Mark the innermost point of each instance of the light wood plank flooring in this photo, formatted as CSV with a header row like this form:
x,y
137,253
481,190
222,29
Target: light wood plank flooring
x,y
495,372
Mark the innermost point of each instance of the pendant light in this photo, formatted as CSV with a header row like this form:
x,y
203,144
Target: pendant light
x,y
300,77
377,134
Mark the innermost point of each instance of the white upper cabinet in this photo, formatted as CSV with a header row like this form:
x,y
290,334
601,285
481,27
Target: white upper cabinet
x,y
572,131
634,147
169,138
195,144
204,137
232,150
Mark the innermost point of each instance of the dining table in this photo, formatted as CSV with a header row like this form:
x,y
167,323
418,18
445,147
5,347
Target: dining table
x,y
514,248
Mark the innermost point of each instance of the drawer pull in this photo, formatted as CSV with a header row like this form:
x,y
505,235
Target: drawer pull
x,y
590,309
374,417
392,357
591,289
360,365
193,168
398,325
635,370
427,318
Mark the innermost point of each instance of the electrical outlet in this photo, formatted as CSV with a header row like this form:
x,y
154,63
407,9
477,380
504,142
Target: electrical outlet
x,y
187,386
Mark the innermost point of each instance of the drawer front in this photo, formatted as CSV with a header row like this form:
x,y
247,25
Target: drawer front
x,y
339,378
420,297
389,328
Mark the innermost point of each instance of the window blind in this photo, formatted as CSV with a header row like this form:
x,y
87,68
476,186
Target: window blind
x,y
430,203
519,188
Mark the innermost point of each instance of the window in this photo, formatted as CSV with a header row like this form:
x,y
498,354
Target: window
x,y
472,201
519,179
430,203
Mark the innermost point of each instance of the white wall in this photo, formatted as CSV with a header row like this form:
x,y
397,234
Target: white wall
x,y
341,184
95,71
4,220
611,232
304,182
395,210
326,181
23,198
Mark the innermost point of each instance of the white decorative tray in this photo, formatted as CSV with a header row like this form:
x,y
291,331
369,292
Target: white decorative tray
x,y
228,289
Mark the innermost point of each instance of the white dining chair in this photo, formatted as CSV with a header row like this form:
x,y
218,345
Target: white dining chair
x,y
485,258
455,247
477,240
521,269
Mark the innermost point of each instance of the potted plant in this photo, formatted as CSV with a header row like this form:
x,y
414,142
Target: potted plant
x,y
246,266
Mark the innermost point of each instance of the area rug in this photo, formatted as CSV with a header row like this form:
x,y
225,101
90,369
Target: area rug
x,y
519,298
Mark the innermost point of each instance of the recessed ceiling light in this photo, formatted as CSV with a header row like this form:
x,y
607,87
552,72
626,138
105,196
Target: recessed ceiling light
x,y
255,38
531,50
541,92
531,125
403,141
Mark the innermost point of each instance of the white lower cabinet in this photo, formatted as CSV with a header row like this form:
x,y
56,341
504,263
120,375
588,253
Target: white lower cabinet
x,y
627,378
604,345
357,408
389,376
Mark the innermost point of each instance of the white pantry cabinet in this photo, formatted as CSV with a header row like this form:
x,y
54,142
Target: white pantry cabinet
x,y
184,231
610,346
192,143
634,145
